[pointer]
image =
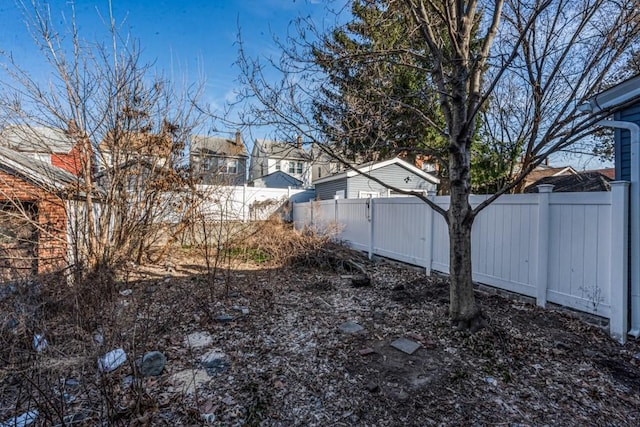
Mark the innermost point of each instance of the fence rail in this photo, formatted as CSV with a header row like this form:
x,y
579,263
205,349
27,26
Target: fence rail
x,y
564,248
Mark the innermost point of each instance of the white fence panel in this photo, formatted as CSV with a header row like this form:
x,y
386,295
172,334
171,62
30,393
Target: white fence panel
x,y
354,219
324,215
243,203
302,215
556,247
399,229
440,242
504,241
579,251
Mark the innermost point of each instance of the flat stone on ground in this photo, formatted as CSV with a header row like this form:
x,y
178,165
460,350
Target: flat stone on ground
x,y
405,345
151,364
190,380
198,340
214,362
350,327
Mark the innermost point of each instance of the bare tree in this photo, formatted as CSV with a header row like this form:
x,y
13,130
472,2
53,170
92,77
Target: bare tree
x,y
553,54
131,129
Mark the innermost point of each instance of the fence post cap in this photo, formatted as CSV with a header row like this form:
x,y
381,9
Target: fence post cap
x,y
545,188
620,183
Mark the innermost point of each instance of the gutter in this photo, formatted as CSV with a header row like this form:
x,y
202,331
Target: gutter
x,y
634,202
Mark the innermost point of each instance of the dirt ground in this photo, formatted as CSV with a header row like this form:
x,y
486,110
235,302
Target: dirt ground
x,y
283,361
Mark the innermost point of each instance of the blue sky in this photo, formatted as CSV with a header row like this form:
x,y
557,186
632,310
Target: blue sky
x,y
185,38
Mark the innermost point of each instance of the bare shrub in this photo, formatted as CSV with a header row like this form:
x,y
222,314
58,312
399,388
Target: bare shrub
x,y
276,242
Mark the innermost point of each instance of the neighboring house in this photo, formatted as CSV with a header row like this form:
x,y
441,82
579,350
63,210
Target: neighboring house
x,y
218,160
126,148
395,172
49,145
323,165
544,171
33,215
579,182
277,179
268,157
608,172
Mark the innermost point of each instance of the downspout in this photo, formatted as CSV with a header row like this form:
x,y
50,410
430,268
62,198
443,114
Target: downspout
x,y
634,220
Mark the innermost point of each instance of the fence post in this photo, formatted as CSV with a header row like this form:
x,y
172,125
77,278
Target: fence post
x,y
544,192
371,204
619,264
429,234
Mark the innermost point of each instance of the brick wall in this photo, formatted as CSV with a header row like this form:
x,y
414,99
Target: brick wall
x,y
51,243
71,162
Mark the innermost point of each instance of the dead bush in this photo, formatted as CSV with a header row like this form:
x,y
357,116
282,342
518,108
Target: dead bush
x,y
277,243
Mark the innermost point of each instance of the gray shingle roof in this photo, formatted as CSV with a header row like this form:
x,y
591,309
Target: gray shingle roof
x,y
217,146
41,173
36,139
282,150
580,182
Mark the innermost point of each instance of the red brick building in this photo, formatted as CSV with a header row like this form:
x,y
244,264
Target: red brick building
x,y
34,185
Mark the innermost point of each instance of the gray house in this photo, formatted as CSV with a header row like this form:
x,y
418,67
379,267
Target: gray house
x,y
268,157
277,179
218,160
394,172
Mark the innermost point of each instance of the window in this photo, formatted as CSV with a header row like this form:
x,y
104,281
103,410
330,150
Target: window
x,y
232,166
229,166
299,168
292,167
277,166
319,172
368,194
206,164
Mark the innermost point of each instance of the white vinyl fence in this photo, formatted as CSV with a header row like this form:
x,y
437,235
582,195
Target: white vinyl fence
x,y
565,248
243,203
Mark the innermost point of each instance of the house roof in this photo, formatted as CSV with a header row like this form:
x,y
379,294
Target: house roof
x,y
49,177
370,167
579,182
36,139
217,146
543,171
621,93
280,176
608,172
145,143
281,150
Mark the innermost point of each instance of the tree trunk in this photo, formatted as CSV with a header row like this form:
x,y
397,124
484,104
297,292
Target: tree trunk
x,y
463,310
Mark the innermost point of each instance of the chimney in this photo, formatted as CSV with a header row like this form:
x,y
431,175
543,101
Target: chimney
x,y
238,138
299,141
72,127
